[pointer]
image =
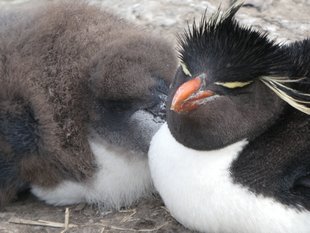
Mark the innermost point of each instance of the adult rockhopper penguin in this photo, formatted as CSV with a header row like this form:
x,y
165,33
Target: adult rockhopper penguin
x,y
234,154
81,94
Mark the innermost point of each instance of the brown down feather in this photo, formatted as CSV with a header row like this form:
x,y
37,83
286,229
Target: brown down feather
x,y
57,59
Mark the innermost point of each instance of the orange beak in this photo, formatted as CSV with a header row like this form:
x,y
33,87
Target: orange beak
x,y
189,96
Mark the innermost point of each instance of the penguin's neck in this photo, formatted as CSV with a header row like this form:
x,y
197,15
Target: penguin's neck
x,y
222,157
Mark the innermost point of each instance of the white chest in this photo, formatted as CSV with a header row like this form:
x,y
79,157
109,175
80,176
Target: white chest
x,y
197,188
122,178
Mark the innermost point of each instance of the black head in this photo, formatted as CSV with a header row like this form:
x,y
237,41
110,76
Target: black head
x,y
218,96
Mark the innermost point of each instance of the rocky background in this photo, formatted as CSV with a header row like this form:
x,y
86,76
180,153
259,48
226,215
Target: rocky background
x,y
285,20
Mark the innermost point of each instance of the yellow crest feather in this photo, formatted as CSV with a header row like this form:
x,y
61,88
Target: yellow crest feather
x,y
185,69
232,85
275,83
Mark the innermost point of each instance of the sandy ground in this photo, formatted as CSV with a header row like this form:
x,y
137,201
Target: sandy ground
x,y
285,20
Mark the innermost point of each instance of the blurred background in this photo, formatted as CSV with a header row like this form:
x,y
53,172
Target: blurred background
x,y
284,19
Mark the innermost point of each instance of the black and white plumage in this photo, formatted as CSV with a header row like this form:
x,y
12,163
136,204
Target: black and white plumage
x,y
81,94
234,154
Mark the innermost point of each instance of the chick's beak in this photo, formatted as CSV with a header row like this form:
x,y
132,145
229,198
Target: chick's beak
x,y
191,94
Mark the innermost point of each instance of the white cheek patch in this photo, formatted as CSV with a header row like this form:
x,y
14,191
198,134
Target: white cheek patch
x,y
197,188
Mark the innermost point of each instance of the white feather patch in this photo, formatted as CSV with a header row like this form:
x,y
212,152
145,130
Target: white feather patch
x,y
197,188
122,178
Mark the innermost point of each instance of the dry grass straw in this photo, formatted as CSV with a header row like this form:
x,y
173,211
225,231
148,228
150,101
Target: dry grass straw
x,y
105,225
45,223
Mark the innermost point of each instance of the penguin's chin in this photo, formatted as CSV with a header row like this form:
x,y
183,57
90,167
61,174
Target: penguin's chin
x,y
206,127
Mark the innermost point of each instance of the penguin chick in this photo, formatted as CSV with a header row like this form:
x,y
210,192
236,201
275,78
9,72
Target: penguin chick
x,y
234,154
81,94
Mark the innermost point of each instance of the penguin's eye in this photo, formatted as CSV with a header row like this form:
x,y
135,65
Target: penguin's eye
x,y
232,85
185,69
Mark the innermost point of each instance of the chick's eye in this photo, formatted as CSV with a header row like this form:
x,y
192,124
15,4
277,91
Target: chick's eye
x,y
117,105
185,69
233,85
